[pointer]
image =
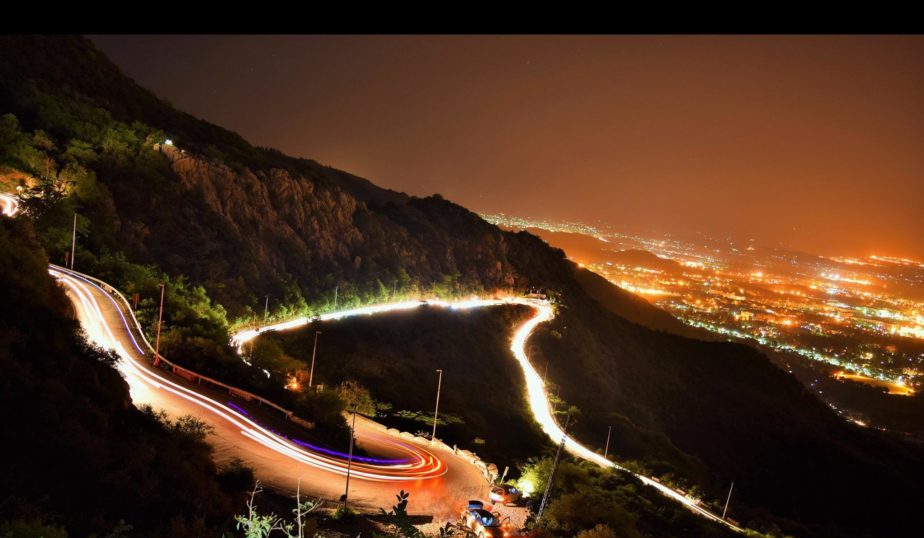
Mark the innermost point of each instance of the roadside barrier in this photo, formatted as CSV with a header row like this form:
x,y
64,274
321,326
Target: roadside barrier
x,y
489,470
185,373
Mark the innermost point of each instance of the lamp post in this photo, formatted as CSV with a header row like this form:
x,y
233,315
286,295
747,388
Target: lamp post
x,y
606,450
346,492
436,412
548,486
73,240
314,352
265,310
160,320
728,499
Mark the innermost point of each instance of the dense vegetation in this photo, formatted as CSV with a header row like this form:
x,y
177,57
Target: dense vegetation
x,y
244,222
866,403
482,403
721,412
79,457
607,503
231,223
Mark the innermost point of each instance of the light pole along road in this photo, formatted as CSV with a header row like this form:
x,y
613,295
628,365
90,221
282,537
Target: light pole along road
x,y
439,481
539,402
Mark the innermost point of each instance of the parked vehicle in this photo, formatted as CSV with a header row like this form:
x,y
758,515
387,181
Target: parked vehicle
x,y
482,523
505,494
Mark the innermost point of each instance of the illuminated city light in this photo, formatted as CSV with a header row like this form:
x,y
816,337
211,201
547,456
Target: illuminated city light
x,y
776,299
897,261
538,398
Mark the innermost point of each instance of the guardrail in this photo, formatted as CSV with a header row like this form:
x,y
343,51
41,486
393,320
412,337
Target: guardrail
x,y
186,373
489,470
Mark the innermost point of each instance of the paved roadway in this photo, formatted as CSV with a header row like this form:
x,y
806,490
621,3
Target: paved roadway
x,y
536,392
439,481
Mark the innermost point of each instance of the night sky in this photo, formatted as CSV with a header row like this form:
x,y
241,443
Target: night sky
x,y
812,142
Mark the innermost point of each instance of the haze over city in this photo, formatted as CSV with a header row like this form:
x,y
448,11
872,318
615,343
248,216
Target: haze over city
x,y
812,142
462,286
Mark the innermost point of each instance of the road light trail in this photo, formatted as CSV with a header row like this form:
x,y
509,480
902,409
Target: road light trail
x,y
426,465
9,204
541,408
422,464
539,403
439,478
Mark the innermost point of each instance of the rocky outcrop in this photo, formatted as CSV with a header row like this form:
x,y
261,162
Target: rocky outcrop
x,y
273,205
311,230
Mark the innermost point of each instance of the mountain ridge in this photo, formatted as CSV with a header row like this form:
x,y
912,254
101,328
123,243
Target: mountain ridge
x,y
324,237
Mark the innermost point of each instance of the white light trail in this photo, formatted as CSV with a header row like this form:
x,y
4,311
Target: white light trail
x,y
423,463
539,403
9,204
427,465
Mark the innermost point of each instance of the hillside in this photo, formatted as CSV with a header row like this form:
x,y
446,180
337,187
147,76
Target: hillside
x,y
643,258
721,412
634,308
245,221
581,248
240,223
79,456
585,249
481,384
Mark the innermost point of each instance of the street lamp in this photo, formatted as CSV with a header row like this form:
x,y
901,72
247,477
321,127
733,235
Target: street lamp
x,y
265,310
606,450
548,486
73,240
436,412
728,500
346,492
313,353
160,320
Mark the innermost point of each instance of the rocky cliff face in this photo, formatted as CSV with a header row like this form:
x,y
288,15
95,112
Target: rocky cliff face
x,y
275,205
304,230
246,221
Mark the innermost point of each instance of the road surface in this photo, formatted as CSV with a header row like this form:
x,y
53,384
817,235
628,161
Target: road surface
x,y
439,480
537,395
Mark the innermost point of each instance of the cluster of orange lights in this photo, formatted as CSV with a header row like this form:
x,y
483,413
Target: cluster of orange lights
x,y
789,308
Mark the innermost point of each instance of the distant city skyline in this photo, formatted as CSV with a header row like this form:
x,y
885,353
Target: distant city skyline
x,y
807,141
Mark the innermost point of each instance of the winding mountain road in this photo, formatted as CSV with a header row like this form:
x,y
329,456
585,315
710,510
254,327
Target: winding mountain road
x,y
539,402
439,479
